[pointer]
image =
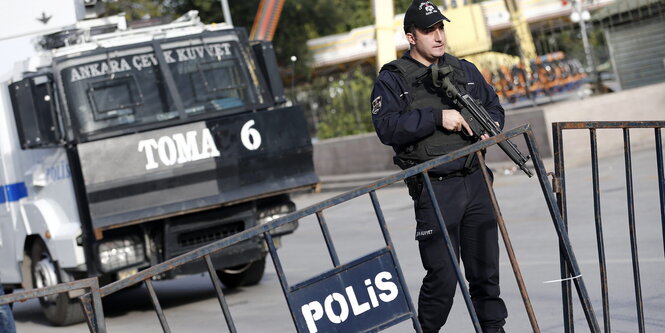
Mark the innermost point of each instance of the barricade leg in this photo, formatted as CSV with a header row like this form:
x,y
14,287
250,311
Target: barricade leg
x,y
220,295
631,230
158,307
509,246
599,231
661,179
389,243
451,254
92,308
566,290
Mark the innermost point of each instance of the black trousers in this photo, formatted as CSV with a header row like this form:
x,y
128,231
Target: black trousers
x,y
467,211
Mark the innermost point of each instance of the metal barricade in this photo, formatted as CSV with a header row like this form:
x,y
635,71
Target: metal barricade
x,y
394,304
92,309
625,126
379,270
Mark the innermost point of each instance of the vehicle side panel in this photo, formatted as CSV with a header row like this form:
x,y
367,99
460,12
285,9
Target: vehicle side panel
x,y
197,165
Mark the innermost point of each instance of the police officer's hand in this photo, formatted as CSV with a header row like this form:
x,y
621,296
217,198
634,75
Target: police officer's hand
x,y
453,121
487,136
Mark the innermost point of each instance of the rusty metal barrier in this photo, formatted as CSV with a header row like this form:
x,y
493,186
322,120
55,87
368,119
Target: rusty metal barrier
x,y
92,309
625,126
509,247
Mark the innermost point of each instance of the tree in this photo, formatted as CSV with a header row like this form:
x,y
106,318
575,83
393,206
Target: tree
x,y
339,104
300,21
137,9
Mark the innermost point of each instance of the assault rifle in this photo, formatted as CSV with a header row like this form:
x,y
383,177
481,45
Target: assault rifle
x,y
476,115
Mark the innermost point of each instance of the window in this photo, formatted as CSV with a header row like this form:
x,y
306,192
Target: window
x,y
33,103
115,97
126,88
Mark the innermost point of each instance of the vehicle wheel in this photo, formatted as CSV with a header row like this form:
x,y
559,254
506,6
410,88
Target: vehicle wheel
x,y
58,309
245,275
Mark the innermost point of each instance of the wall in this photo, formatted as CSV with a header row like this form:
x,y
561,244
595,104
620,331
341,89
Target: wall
x,y
638,52
352,154
638,104
365,153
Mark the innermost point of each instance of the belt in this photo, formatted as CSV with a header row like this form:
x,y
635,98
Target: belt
x,y
460,173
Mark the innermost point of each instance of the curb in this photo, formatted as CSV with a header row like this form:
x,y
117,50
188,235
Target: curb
x,y
347,182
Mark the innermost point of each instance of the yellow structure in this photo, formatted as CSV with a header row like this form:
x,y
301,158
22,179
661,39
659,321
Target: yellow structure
x,y
493,60
470,33
384,24
467,33
524,38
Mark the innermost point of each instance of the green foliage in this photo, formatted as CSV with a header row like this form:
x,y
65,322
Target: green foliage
x,y
137,9
340,104
401,5
300,21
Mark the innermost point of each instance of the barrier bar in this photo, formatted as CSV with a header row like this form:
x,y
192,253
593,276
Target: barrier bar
x,y
563,234
451,253
560,190
264,229
661,179
391,247
279,269
91,303
509,246
610,124
220,294
599,230
157,306
631,228
328,239
92,308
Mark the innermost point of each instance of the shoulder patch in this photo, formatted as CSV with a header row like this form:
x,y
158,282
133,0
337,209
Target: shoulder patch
x,y
376,105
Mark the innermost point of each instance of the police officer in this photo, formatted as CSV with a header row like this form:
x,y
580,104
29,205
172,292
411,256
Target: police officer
x,y
420,122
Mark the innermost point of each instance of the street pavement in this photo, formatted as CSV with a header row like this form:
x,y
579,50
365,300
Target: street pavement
x,y
191,306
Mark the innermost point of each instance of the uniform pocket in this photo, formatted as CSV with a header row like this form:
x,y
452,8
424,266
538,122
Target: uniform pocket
x,y
425,216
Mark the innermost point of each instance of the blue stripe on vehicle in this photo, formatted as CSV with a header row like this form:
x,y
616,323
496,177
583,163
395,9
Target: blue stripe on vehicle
x,y
13,192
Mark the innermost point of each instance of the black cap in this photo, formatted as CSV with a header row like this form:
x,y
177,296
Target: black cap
x,y
422,14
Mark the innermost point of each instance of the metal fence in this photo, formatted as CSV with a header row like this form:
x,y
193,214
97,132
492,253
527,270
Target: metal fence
x,y
393,305
592,127
92,308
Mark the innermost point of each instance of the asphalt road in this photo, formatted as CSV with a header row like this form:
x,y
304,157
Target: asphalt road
x,y
191,306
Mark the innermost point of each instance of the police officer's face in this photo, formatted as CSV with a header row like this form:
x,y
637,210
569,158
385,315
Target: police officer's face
x,y
427,45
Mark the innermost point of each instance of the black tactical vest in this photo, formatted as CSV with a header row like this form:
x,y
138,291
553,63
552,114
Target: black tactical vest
x,y
422,94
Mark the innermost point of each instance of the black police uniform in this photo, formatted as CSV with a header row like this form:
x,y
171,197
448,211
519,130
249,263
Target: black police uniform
x,y
459,187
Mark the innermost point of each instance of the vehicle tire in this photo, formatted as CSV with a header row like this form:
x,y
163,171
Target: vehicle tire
x,y
245,275
59,309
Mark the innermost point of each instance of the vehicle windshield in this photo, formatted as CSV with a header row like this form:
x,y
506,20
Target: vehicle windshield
x,y
125,88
